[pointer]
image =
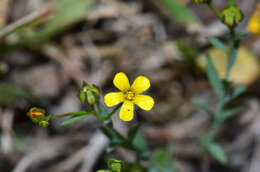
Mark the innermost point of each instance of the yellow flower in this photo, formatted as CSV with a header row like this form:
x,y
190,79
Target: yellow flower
x,y
254,22
129,95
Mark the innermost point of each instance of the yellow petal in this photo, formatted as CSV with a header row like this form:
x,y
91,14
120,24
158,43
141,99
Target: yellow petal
x,y
113,98
140,84
144,102
254,22
121,82
127,111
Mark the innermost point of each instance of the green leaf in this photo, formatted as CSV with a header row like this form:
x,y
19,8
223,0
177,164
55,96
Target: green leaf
x,y
214,149
9,93
203,106
217,43
231,112
74,119
139,141
113,135
102,110
180,12
236,93
111,147
217,152
67,13
232,55
188,51
241,35
214,79
132,133
231,2
161,161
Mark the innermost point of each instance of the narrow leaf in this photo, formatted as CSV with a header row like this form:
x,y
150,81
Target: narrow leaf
x,y
236,93
132,133
214,149
217,43
231,2
231,112
218,153
102,110
241,35
180,12
68,12
232,56
74,119
139,141
9,93
214,79
113,135
202,105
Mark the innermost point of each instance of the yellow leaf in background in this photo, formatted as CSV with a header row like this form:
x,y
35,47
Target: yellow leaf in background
x,y
245,70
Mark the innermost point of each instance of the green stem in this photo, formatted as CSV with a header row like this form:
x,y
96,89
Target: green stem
x,y
231,3
113,111
126,144
213,131
217,121
234,44
69,114
212,7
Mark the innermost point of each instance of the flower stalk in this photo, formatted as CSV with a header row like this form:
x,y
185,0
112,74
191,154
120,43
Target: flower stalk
x,y
231,17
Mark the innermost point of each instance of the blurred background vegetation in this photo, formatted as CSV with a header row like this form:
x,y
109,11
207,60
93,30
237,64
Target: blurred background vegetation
x,y
48,47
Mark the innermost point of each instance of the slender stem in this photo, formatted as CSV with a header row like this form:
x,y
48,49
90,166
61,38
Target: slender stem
x,y
212,7
113,111
217,120
230,3
213,131
234,43
70,114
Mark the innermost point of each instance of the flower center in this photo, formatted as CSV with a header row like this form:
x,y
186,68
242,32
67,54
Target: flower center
x,y
129,95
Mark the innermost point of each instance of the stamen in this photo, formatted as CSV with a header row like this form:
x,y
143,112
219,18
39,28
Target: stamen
x,y
129,95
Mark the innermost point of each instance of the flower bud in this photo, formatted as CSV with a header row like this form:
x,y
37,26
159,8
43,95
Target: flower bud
x,y
254,22
89,93
91,97
36,114
115,165
231,16
82,92
43,124
201,1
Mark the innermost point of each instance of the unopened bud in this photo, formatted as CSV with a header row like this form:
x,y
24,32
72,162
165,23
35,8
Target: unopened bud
x,y
82,92
91,97
43,124
115,165
201,1
36,114
89,93
231,16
